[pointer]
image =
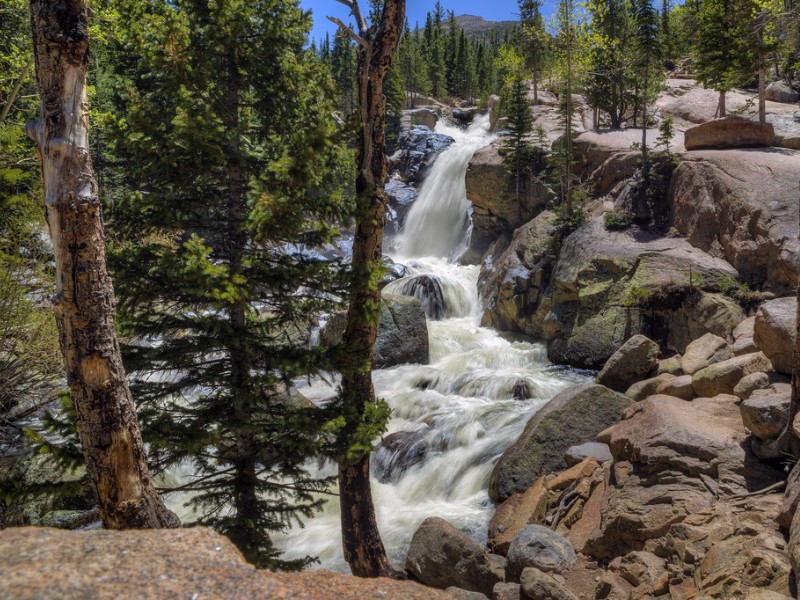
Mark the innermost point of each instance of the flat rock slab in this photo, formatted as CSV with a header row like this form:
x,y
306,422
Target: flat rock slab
x,y
168,563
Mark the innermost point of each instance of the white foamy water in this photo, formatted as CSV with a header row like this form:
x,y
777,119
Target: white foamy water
x,y
460,412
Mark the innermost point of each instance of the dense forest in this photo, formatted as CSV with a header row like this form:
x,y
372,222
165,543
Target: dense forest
x,y
220,305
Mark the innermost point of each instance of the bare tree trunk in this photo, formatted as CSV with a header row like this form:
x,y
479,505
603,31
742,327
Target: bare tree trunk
x,y
721,109
363,547
762,91
84,301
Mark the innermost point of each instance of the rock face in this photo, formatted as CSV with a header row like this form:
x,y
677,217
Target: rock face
x,y
775,331
514,281
714,193
497,210
514,514
402,332
574,416
631,363
692,105
167,563
729,132
441,556
541,548
419,147
401,197
766,414
577,454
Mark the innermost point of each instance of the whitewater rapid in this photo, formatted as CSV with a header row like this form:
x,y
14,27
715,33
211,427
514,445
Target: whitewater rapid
x,y
460,412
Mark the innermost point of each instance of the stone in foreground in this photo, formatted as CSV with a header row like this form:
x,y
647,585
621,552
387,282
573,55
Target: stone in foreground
x,y
165,563
542,548
729,132
631,363
441,556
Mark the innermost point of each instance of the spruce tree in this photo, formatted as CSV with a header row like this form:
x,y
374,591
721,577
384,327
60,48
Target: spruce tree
x,y
223,177
534,39
517,149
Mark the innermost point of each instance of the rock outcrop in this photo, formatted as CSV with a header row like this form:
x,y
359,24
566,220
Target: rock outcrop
x,y
740,205
166,563
498,207
574,416
418,147
781,91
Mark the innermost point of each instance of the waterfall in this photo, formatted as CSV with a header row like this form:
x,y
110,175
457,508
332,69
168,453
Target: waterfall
x,y
451,419
438,223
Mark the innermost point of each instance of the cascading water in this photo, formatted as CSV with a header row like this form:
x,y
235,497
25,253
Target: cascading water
x,y
452,418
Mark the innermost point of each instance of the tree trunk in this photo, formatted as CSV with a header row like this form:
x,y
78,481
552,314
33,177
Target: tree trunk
x,y
721,110
84,302
363,548
762,91
535,87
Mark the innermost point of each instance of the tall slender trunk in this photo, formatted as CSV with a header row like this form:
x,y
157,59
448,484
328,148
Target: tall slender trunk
x,y
363,547
535,87
245,480
569,108
15,90
762,91
84,301
644,122
721,109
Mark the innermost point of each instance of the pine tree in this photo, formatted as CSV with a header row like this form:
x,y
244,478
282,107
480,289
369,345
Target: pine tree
x,y
224,171
612,68
344,62
517,149
534,39
721,48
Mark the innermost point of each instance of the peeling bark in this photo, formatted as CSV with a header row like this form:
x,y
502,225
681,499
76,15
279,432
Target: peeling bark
x,y
84,301
363,548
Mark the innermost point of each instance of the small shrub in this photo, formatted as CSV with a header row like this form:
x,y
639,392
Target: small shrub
x,y
615,220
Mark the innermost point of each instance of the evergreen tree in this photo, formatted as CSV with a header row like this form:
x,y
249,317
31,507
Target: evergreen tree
x,y
722,52
224,172
534,39
612,69
411,63
517,149
344,62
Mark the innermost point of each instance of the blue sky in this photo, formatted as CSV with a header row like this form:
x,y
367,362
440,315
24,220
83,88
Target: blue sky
x,y
492,10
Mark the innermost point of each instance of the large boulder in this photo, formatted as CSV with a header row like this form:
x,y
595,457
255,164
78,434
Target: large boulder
x,y
775,330
781,91
635,359
424,116
574,416
787,130
542,548
402,332
540,586
766,413
722,377
689,105
418,147
728,132
740,205
153,564
593,148
703,352
498,207
441,556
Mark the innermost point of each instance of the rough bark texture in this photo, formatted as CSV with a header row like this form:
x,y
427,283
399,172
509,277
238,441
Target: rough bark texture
x,y
84,299
363,548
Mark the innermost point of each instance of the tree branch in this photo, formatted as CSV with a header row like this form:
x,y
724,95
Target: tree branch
x,y
352,34
355,10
